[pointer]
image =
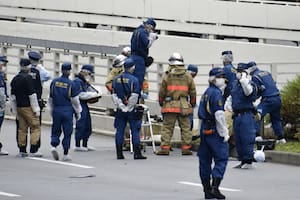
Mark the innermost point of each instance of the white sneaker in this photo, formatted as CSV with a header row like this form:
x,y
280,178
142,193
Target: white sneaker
x,y
22,155
90,148
36,154
66,158
282,141
84,149
54,153
247,166
3,153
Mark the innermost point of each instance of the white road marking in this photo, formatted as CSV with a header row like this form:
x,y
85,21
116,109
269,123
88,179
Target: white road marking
x,y
61,163
200,185
9,194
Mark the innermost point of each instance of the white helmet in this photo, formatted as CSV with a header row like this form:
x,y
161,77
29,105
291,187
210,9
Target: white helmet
x,y
119,61
126,51
176,59
259,156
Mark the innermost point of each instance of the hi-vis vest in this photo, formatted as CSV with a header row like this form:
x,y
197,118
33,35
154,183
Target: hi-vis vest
x,y
177,92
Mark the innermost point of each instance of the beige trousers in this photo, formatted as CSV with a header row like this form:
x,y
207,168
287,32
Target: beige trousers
x,y
27,119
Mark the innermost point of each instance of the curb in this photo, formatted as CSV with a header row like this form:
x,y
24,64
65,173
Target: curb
x,y
283,157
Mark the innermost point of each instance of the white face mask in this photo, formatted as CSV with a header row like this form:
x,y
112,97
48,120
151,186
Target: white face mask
x,y
220,83
87,78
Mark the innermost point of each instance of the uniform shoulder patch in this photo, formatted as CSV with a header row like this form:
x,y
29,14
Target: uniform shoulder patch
x,y
220,103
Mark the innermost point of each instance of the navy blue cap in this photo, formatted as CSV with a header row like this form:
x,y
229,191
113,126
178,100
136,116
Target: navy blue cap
x,y
66,66
24,62
3,59
242,66
89,68
251,64
192,68
226,52
34,55
128,63
217,72
151,22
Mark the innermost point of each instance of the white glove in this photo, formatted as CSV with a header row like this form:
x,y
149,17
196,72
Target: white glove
x,y
226,138
282,141
78,116
153,36
258,139
124,109
37,114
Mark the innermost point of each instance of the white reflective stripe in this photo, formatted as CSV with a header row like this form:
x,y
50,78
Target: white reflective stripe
x,y
62,163
200,185
9,194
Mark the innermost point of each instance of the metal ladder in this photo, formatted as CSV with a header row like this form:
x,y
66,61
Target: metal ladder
x,y
146,123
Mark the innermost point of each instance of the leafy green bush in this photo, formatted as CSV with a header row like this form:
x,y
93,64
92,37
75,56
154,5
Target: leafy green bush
x,y
290,94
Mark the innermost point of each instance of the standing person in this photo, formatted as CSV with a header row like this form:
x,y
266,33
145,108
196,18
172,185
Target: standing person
x,y
87,92
125,96
270,99
26,108
141,40
229,70
63,101
177,97
35,58
193,70
214,135
243,95
3,96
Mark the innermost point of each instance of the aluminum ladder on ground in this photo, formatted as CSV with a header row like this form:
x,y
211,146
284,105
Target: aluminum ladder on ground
x,y
146,123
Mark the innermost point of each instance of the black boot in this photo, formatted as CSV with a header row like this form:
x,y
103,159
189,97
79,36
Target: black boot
x,y
137,153
207,190
119,152
215,189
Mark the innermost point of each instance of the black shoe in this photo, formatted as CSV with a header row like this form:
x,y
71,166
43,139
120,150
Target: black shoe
x,y
215,189
137,153
119,152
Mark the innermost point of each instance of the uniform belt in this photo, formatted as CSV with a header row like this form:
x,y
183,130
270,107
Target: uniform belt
x,y
243,111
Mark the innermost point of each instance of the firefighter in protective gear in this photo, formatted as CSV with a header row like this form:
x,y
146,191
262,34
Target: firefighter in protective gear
x,y
63,101
117,69
87,92
243,95
141,40
214,135
177,97
24,105
270,99
125,96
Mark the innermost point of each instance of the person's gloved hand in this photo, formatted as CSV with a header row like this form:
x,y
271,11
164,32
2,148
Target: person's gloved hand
x,y
153,36
226,138
37,114
258,139
257,116
145,96
124,109
78,116
281,141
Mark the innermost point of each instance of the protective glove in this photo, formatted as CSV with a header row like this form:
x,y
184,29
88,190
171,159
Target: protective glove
x,y
78,116
226,138
145,96
125,109
153,36
257,116
281,141
37,114
258,139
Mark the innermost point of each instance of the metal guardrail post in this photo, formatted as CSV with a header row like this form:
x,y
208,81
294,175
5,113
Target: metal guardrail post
x,y
56,64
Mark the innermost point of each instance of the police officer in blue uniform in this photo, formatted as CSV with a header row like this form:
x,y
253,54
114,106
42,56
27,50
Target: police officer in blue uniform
x,y
35,58
243,94
126,89
229,70
214,135
3,95
193,70
87,92
141,40
270,99
63,102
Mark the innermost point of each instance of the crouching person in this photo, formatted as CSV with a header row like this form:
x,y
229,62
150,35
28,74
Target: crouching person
x,y
126,89
214,136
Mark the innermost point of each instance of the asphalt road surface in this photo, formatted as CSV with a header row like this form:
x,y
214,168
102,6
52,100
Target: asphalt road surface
x,y
98,175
